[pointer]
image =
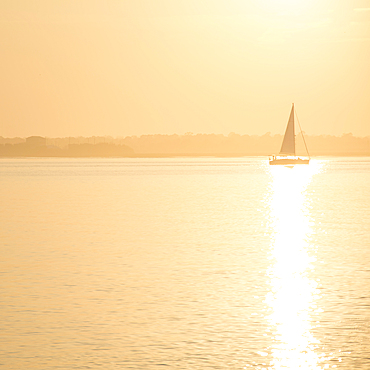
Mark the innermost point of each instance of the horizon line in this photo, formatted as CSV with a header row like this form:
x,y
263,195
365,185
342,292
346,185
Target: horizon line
x,y
175,134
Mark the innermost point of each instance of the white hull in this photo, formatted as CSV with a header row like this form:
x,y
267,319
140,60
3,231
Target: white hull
x,y
288,161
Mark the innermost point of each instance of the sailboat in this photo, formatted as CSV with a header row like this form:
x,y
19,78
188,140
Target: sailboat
x,y
287,155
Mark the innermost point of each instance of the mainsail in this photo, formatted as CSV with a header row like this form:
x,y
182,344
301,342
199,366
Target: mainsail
x,y
288,146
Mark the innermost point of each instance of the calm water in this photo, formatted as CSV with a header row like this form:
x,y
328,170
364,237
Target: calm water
x,y
184,263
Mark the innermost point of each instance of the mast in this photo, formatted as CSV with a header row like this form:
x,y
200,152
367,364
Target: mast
x,y
304,141
288,145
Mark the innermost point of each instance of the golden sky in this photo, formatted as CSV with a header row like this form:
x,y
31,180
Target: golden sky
x,y
132,67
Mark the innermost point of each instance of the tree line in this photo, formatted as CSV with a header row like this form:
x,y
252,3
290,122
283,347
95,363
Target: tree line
x,y
187,144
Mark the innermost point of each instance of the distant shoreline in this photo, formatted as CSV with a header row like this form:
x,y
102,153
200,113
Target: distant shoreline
x,y
174,146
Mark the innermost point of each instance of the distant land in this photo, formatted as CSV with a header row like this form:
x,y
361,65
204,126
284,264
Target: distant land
x,y
188,144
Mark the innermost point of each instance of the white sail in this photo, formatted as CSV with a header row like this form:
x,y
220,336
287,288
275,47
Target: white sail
x,y
288,146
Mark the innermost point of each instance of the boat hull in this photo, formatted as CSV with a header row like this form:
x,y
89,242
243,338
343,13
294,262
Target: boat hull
x,y
288,161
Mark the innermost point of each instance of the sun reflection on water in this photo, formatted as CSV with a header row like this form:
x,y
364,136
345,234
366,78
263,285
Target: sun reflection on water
x,y
293,295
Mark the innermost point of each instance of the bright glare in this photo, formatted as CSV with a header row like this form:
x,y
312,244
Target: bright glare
x,y
292,291
286,6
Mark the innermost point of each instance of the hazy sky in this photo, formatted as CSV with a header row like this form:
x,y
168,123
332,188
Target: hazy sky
x,y
132,67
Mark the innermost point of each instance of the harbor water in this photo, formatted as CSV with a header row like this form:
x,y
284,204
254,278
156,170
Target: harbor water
x,y
184,263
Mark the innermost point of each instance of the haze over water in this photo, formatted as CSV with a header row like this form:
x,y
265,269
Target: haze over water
x,y
196,263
